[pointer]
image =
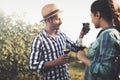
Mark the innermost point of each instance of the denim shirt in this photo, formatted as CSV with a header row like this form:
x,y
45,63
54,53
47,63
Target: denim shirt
x,y
103,54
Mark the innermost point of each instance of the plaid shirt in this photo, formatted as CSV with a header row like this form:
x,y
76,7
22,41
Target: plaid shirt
x,y
104,56
45,48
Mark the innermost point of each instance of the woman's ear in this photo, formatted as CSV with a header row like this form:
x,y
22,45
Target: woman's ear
x,y
97,14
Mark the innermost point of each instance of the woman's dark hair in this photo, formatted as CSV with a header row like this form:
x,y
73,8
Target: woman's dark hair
x,y
109,10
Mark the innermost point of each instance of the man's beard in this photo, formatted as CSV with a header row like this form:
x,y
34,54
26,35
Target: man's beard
x,y
57,26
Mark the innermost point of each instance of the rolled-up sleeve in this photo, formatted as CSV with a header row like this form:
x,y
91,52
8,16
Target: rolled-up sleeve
x,y
94,67
36,61
103,69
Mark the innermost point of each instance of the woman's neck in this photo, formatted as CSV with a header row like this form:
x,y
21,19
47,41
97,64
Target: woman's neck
x,y
106,24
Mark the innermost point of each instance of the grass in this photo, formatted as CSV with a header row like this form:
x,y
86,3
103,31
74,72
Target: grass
x,y
76,69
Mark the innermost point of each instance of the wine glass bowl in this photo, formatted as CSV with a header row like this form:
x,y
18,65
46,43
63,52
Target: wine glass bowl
x,y
66,51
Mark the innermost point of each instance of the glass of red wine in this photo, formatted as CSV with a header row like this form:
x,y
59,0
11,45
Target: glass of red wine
x,y
66,50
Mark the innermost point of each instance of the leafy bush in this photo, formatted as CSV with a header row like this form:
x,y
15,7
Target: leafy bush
x,y
15,38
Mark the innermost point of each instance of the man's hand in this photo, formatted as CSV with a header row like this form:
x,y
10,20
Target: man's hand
x,y
62,59
59,61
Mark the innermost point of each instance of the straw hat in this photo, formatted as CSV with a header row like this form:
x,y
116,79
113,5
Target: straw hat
x,y
49,10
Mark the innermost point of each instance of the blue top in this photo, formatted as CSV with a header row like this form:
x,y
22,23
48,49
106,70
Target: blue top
x,y
104,55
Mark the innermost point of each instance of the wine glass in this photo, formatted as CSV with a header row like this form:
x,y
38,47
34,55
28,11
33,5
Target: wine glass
x,y
66,50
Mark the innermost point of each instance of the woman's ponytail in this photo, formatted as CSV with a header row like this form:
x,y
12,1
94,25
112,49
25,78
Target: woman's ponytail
x,y
116,19
115,12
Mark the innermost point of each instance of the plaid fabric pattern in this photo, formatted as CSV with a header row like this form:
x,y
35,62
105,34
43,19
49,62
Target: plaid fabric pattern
x,y
103,54
45,48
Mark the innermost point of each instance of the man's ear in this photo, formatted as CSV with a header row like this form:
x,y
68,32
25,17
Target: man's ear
x,y
48,20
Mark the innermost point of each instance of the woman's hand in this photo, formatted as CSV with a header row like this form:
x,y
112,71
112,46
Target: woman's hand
x,y
82,57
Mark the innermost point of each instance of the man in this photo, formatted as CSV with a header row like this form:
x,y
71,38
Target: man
x,y
47,48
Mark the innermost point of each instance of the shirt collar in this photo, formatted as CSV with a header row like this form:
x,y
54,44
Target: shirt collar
x,y
46,34
107,28
103,30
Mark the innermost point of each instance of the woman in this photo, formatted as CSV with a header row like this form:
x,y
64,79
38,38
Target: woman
x,y
103,59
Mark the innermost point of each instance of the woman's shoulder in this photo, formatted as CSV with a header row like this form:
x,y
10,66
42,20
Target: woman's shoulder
x,y
110,31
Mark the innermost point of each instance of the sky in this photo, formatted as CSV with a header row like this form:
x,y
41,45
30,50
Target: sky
x,y
75,12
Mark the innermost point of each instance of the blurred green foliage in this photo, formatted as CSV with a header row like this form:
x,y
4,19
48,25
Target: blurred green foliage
x,y
15,39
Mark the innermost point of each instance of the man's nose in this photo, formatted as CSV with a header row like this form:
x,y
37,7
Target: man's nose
x,y
60,21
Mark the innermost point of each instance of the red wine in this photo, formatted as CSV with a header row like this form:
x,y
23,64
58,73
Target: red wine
x,y
66,52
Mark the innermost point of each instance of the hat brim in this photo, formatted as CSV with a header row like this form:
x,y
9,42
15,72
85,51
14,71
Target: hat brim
x,y
50,16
